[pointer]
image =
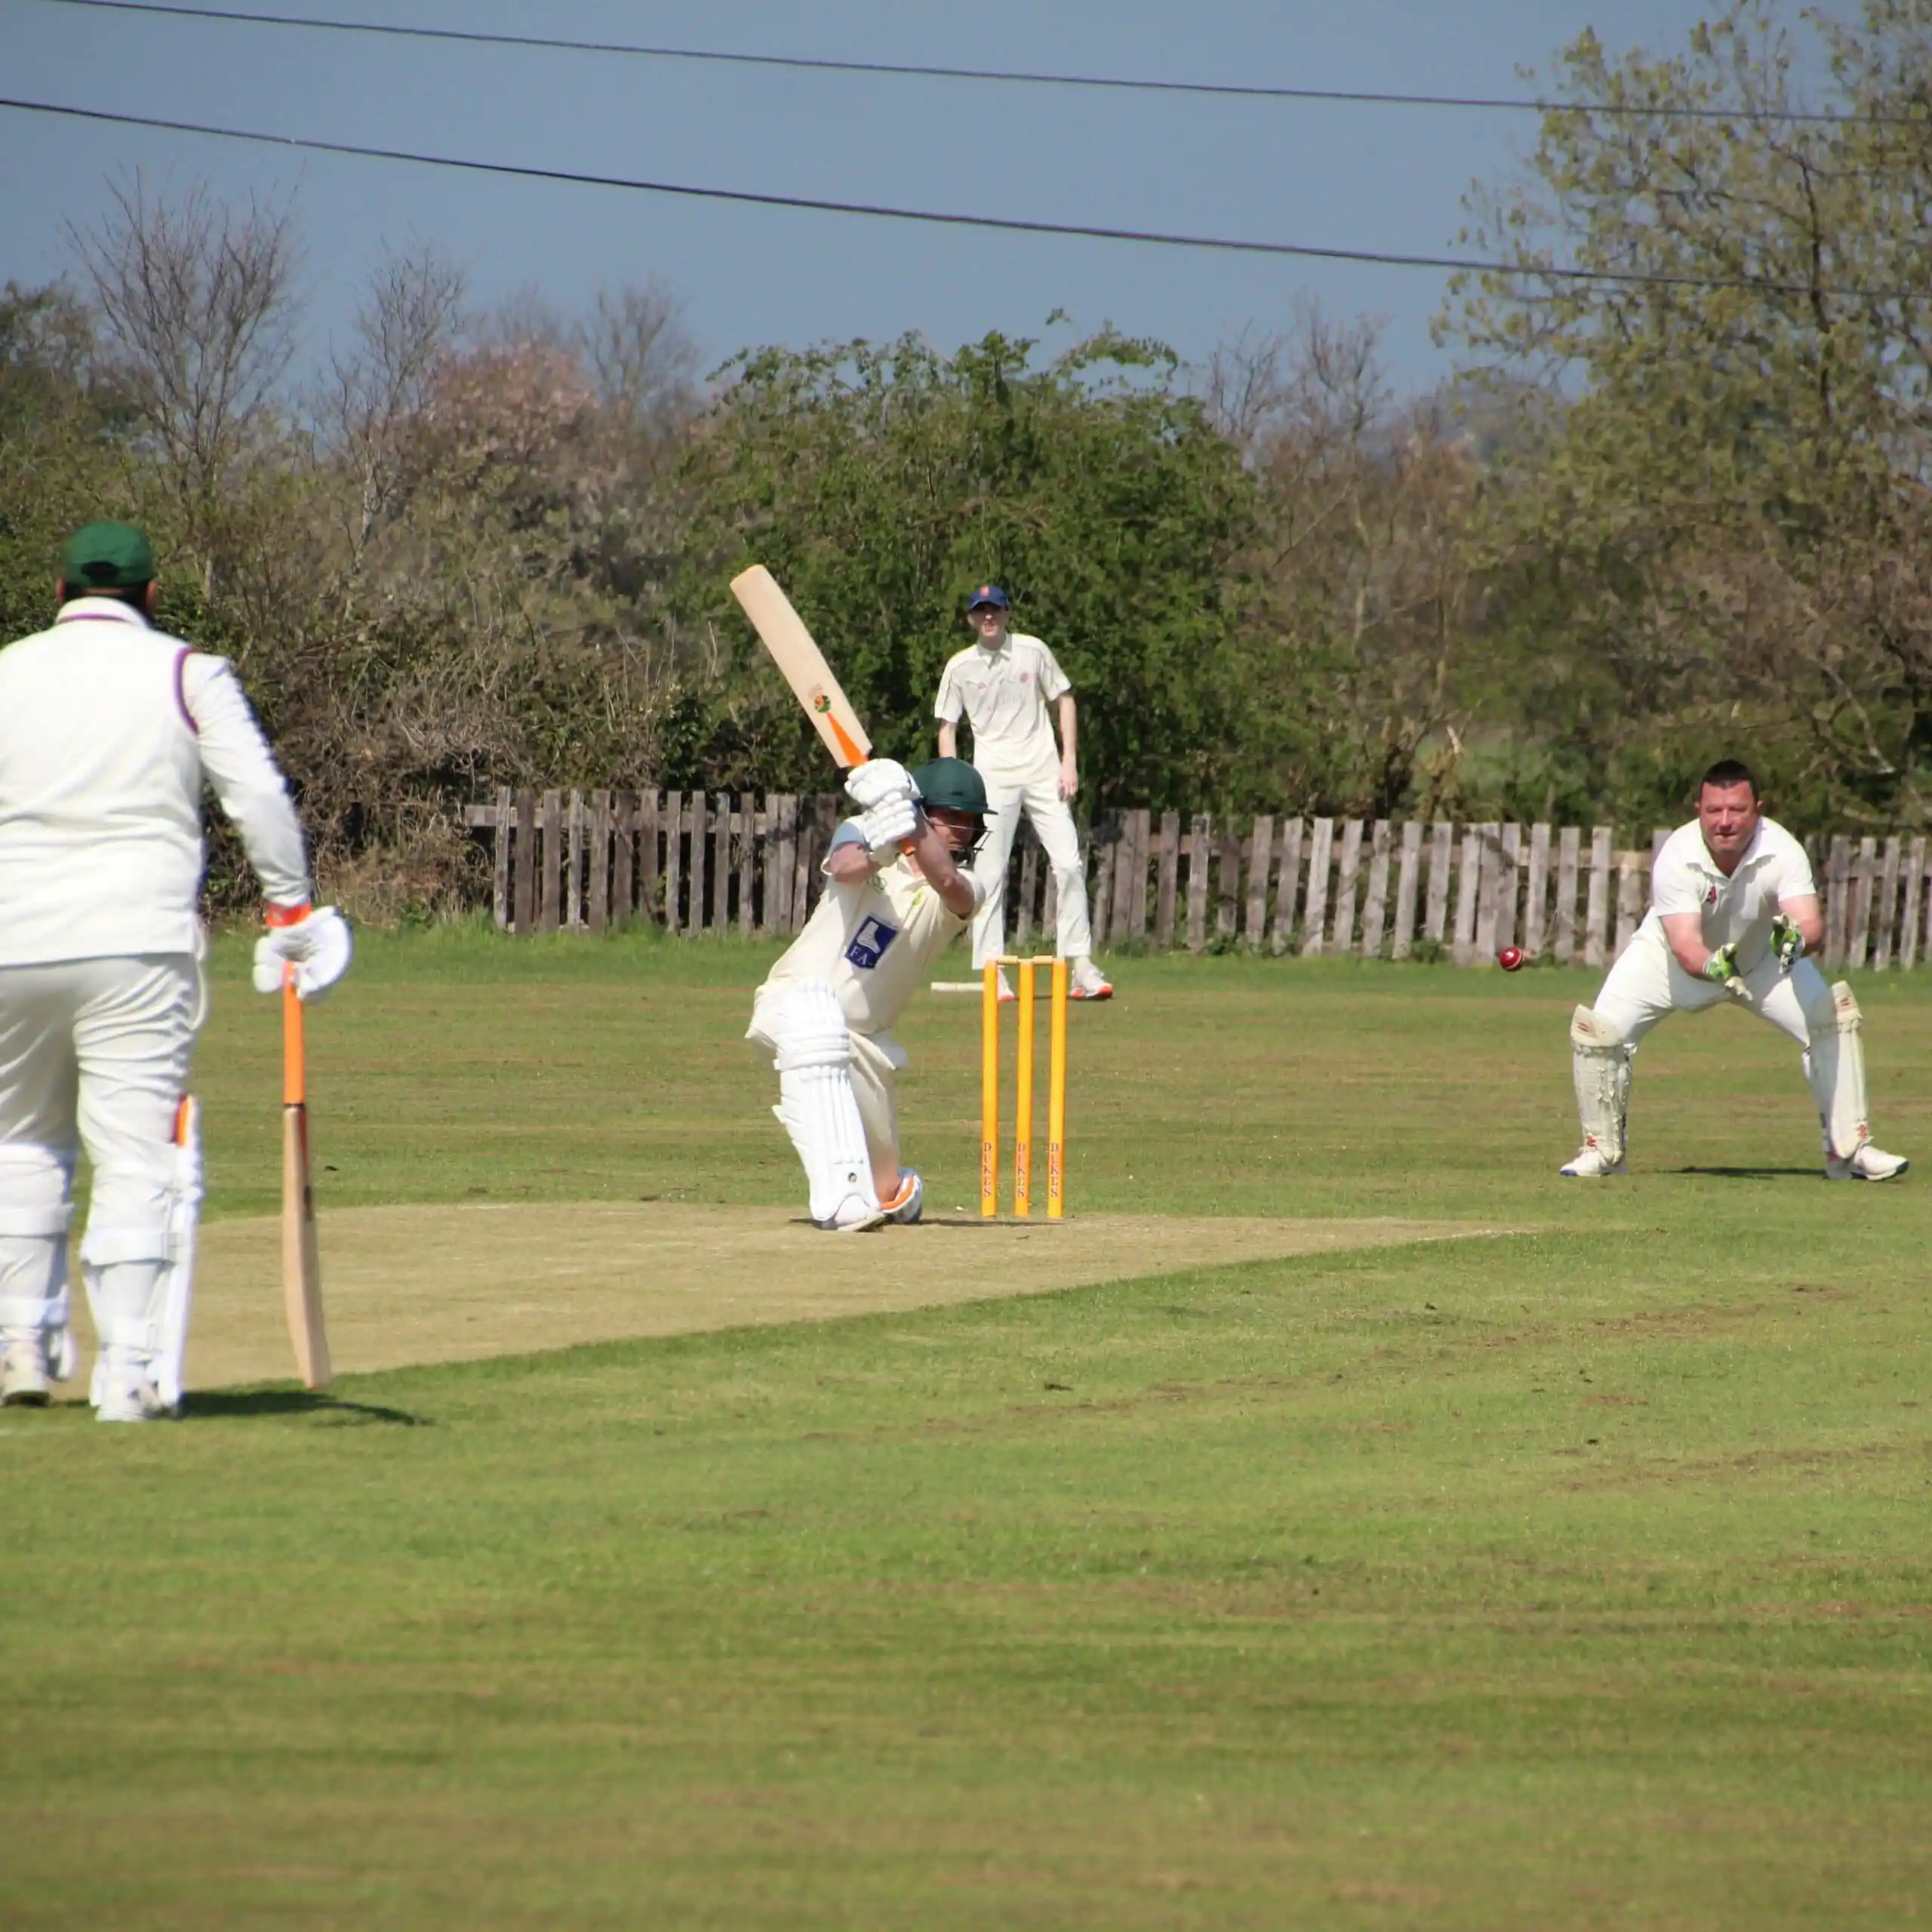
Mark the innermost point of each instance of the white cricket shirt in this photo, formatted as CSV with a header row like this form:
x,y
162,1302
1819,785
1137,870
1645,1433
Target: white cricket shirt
x,y
1005,693
1734,911
109,729
872,939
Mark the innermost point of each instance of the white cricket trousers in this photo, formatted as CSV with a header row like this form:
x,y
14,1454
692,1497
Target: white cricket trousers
x,y
93,1052
1052,819
1648,983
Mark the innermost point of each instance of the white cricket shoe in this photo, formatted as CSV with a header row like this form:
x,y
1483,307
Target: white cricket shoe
x,y
25,1380
905,1206
1592,1164
1867,1163
128,1395
1007,995
855,1215
1086,981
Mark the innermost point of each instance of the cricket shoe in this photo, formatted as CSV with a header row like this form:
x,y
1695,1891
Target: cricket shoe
x,y
1007,995
128,1395
1867,1163
1592,1163
25,1379
855,1215
905,1206
1088,981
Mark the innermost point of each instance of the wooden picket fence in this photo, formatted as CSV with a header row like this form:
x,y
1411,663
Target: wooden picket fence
x,y
697,861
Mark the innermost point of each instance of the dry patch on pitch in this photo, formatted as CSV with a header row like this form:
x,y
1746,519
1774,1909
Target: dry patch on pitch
x,y
410,1285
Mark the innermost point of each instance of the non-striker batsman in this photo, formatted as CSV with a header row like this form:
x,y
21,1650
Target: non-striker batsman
x,y
1733,913
109,730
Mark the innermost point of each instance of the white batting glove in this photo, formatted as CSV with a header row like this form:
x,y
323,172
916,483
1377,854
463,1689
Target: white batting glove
x,y
887,827
877,781
314,940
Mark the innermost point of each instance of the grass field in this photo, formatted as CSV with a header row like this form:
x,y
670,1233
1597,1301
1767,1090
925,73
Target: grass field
x,y
1575,1576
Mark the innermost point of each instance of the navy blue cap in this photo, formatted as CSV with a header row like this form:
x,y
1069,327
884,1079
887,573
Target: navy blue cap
x,y
989,593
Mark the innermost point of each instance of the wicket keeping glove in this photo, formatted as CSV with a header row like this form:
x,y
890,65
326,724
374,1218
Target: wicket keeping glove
x,y
314,940
1721,968
1787,942
887,826
879,781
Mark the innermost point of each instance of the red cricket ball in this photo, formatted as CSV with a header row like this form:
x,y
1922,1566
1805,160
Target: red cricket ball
x,y
1510,958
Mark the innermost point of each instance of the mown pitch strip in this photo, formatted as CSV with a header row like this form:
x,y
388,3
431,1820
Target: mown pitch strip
x,y
408,1286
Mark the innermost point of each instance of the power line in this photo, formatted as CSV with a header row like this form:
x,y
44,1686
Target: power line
x,y
1009,76
879,211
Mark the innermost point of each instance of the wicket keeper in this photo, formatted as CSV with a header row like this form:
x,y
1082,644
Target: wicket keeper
x,y
1733,913
109,730
824,1017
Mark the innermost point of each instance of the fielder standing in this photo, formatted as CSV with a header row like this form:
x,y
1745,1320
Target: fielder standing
x,y
109,729
1002,686
824,1018
1733,911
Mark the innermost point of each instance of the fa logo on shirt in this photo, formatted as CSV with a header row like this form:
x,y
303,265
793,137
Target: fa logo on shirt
x,y
870,943
1711,894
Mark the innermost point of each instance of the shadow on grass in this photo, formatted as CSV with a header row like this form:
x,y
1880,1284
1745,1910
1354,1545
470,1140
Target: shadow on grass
x,y
221,1404
1753,1174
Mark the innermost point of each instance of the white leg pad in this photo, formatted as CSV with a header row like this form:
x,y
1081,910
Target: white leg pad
x,y
35,1212
126,1271
816,1105
1834,1065
1601,1063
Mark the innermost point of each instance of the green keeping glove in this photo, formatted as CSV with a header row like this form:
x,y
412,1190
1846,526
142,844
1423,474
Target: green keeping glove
x,y
1787,942
1721,968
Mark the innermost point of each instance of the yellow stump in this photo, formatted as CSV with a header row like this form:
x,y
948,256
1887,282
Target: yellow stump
x,y
1022,1101
1057,1096
989,1092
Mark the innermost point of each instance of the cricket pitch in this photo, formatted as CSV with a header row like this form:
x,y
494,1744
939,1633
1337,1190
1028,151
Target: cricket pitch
x,y
408,1285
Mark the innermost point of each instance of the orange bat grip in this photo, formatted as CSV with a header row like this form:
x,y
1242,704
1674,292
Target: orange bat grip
x,y
294,1056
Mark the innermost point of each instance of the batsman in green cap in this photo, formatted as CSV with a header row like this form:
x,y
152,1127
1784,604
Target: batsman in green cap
x,y
110,730
899,886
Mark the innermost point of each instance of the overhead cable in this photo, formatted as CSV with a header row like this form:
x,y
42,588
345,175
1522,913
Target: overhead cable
x,y
1010,76
1153,238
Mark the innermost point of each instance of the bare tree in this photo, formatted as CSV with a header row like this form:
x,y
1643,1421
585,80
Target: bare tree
x,y
644,364
199,301
407,328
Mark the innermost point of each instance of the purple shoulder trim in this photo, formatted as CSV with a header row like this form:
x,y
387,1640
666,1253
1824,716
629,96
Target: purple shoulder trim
x,y
181,657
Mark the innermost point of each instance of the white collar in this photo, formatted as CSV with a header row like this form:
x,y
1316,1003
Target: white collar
x,y
79,609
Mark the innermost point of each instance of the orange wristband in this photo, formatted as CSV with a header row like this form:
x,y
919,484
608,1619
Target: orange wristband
x,y
287,915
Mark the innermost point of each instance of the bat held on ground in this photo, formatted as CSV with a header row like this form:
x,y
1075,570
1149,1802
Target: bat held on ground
x,y
301,1261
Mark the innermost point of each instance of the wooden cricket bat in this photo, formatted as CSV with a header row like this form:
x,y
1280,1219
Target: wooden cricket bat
x,y
301,1260
799,658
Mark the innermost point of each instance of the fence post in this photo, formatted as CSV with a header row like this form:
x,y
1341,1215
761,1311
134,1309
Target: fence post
x,y
1169,888
553,858
1315,908
1442,840
1596,934
1631,873
500,862
1469,893
1837,902
1347,879
1535,892
1406,880
1261,857
1375,907
1915,885
1568,842
1288,888
1197,883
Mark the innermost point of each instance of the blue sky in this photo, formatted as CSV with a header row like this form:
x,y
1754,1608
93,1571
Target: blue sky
x,y
1355,176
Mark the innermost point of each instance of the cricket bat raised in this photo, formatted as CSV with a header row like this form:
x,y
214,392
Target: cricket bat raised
x,y
301,1261
799,658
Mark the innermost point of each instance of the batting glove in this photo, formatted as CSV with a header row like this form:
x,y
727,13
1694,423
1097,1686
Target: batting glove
x,y
1787,942
887,826
878,782
314,940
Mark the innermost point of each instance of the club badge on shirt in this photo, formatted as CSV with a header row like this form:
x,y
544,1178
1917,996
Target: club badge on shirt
x,y
870,943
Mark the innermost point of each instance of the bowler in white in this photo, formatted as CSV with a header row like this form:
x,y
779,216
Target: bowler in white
x,y
109,730
1007,688
1733,913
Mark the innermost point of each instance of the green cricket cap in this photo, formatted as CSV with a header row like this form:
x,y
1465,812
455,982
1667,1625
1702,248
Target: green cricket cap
x,y
106,556
952,785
